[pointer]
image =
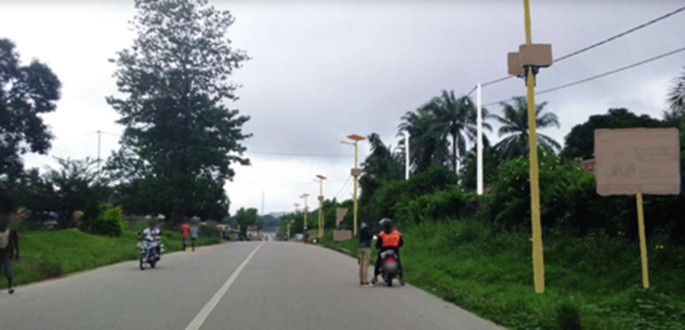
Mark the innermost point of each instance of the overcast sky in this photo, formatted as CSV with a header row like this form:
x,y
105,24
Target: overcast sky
x,y
321,70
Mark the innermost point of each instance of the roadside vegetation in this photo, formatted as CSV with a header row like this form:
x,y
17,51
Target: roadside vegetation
x,y
49,254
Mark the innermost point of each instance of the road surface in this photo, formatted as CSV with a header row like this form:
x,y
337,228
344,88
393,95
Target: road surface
x,y
250,285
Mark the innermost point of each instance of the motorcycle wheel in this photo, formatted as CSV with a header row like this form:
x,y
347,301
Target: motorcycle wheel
x,y
142,263
388,280
153,264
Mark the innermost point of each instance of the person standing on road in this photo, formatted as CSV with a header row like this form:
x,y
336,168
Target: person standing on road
x,y
185,233
365,237
9,240
194,231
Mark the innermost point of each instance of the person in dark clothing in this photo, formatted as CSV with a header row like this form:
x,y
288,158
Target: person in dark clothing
x,y
388,239
365,238
9,240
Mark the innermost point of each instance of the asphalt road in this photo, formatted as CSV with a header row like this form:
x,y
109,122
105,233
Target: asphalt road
x,y
270,285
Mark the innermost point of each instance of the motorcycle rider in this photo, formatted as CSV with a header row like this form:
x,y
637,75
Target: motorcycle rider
x,y
152,234
388,239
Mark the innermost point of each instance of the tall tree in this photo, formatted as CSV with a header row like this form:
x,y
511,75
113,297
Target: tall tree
x,y
25,92
456,119
379,167
580,141
427,143
676,100
175,81
515,128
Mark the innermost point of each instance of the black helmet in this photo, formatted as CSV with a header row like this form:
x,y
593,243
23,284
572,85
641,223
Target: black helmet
x,y
386,224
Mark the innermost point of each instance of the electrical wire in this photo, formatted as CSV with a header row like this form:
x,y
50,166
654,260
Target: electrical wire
x,y
592,46
622,34
601,75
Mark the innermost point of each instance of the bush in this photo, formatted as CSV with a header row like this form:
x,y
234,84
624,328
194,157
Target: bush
x,y
110,222
439,205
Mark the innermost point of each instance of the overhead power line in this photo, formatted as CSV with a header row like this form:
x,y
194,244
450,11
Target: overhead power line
x,y
592,46
622,34
601,75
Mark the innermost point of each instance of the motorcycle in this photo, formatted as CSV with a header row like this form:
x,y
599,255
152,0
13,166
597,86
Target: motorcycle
x,y
148,253
389,266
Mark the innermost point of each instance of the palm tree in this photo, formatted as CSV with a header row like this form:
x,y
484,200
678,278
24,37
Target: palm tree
x,y
457,121
515,127
676,100
428,145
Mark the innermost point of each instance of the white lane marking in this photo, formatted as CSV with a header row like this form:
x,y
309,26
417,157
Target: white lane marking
x,y
209,307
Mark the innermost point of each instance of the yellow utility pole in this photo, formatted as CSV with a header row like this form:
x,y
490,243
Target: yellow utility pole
x,y
356,173
304,196
538,263
321,222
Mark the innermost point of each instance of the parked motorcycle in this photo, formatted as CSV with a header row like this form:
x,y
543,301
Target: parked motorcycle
x,y
389,266
148,253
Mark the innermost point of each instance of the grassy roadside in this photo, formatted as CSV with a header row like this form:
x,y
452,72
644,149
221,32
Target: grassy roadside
x,y
50,254
592,282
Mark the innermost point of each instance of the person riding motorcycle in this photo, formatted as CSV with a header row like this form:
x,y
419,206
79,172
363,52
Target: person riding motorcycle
x,y
388,239
152,233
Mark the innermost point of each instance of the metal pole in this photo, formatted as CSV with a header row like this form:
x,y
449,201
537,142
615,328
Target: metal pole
x,y
320,208
538,263
305,213
99,140
356,148
643,241
479,147
406,155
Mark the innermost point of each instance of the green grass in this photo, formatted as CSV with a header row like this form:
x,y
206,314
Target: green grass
x,y
50,254
592,281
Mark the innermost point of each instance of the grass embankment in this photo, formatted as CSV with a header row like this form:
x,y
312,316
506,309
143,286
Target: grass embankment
x,y
50,254
592,281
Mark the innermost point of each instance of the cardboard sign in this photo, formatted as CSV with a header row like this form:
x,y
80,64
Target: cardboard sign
x,y
342,235
340,215
637,160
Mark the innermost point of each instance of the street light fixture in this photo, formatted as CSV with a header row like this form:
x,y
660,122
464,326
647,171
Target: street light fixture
x,y
321,223
356,173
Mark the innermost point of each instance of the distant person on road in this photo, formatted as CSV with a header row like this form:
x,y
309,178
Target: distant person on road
x,y
388,239
185,233
194,231
365,237
9,240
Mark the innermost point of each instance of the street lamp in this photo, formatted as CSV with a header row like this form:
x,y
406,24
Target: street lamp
x,y
321,223
304,196
356,173
406,155
289,223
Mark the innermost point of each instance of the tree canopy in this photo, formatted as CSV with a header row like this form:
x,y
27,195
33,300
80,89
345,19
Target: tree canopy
x,y
175,82
26,91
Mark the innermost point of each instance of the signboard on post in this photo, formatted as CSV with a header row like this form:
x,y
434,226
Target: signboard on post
x,y
637,160
340,215
342,235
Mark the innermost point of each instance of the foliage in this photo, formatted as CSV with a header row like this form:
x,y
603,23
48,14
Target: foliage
x,y
394,194
428,147
580,141
180,137
110,222
676,100
380,167
245,218
468,173
591,279
26,92
515,127
456,120
78,186
49,254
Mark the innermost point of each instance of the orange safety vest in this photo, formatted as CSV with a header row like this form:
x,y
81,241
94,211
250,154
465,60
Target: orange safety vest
x,y
390,240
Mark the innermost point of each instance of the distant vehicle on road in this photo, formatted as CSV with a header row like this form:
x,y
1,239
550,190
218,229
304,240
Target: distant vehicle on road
x,y
253,233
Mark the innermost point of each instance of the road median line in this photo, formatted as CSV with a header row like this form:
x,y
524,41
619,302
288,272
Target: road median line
x,y
212,303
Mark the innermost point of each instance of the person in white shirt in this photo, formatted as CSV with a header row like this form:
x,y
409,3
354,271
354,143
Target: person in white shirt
x,y
152,233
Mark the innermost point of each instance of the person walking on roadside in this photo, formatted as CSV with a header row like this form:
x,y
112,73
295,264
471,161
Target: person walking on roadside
x,y
9,240
194,232
365,237
185,233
